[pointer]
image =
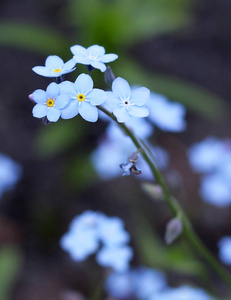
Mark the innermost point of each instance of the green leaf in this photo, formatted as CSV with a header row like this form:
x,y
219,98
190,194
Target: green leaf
x,y
32,37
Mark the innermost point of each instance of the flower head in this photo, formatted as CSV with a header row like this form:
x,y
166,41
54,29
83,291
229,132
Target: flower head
x,y
94,56
55,67
49,103
224,245
83,98
126,102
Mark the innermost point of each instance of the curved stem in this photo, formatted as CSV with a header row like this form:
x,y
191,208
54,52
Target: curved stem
x,y
175,207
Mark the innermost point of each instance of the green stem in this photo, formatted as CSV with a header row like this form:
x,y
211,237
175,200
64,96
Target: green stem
x,y
175,207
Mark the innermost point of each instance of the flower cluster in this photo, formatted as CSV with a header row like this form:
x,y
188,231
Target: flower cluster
x,y
91,230
212,158
66,99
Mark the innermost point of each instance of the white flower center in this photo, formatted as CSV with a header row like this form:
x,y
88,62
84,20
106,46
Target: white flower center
x,y
93,57
126,103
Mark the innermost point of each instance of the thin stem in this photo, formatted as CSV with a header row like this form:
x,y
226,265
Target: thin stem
x,y
175,206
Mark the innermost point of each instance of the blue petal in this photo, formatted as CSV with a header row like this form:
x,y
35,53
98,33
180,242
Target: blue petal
x,y
113,100
138,111
108,57
82,60
40,96
121,88
39,111
43,71
53,114
121,114
61,101
98,65
84,84
96,50
88,112
79,51
97,96
52,90
54,62
71,110
140,95
68,88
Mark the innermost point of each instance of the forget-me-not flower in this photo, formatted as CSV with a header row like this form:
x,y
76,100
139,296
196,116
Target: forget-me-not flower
x,y
10,173
224,246
91,230
127,103
83,98
55,67
49,103
92,56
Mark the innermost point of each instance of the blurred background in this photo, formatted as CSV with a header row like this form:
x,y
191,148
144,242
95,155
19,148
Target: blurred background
x,y
180,49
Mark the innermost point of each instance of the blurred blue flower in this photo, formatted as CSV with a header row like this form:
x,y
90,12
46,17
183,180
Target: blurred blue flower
x,y
167,115
126,102
49,103
140,283
92,229
224,246
10,173
83,98
182,293
55,67
94,56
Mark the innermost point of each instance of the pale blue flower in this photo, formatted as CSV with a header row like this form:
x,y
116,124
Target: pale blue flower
x,y
55,67
10,173
182,293
116,257
50,103
126,102
167,115
83,98
224,246
119,285
93,56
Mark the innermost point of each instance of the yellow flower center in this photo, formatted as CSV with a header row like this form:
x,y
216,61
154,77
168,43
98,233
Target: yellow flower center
x,y
81,97
57,70
50,102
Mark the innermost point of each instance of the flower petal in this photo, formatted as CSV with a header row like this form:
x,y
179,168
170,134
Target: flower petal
x,y
53,114
79,51
69,65
97,96
138,111
121,114
52,90
88,112
108,57
40,96
140,95
96,50
121,88
98,65
54,62
71,110
68,88
39,111
84,84
113,100
82,60
61,101
43,71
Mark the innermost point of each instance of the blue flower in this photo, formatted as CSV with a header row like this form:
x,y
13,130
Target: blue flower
x,y
49,103
225,250
94,56
83,98
55,67
126,102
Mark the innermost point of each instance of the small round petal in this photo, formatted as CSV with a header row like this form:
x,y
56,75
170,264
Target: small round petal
x,y
108,57
39,111
113,100
68,88
79,51
84,83
140,95
97,97
70,111
96,50
98,65
69,65
138,111
40,96
61,101
53,114
54,62
43,71
121,114
52,90
121,88
88,112
82,60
